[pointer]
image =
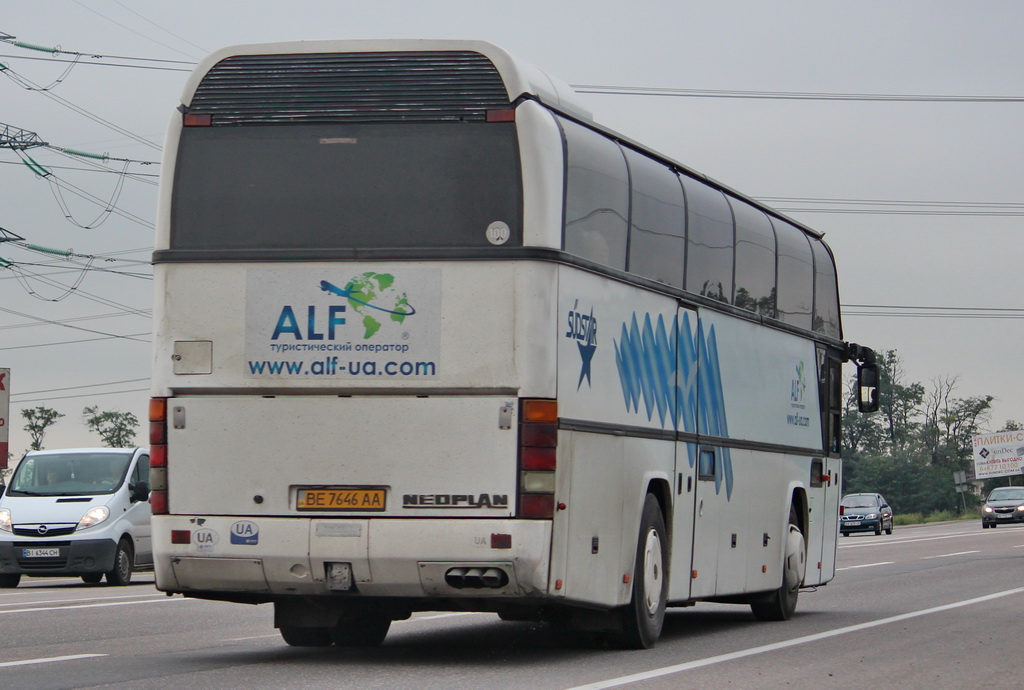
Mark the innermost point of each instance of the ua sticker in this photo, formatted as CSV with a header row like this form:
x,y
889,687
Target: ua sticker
x,y
245,532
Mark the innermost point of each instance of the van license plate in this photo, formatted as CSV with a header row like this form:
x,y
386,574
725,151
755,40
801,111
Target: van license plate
x,y
341,498
40,553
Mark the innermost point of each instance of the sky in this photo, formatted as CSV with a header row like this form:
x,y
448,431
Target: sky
x,y
920,198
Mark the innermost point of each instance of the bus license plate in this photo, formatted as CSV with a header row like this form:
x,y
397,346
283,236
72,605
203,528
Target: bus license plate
x,y
341,498
40,553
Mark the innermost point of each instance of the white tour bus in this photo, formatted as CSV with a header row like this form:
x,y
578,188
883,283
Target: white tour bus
x,y
429,338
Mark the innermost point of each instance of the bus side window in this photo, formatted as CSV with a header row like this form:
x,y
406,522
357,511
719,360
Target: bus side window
x,y
657,224
706,464
826,291
596,197
795,278
755,259
710,240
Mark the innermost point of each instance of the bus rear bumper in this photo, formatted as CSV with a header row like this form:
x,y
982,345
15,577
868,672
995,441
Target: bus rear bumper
x,y
378,557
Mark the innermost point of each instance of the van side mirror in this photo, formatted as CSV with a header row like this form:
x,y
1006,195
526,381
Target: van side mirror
x,y
140,492
867,387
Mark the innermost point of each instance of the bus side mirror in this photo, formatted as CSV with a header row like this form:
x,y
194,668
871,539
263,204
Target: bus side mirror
x,y
867,387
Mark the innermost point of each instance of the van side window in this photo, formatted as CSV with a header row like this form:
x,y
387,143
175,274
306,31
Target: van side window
x,y
141,471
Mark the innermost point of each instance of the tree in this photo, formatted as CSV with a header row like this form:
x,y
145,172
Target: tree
x,y
39,420
117,429
909,449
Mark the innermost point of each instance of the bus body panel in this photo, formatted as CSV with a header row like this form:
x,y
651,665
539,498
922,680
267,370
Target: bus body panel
x,y
390,558
251,455
477,326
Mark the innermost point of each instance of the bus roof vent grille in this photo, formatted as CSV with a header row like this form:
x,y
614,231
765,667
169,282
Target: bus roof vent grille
x,y
312,88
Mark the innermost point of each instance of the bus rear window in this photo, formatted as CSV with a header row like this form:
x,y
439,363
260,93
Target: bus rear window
x,y
345,186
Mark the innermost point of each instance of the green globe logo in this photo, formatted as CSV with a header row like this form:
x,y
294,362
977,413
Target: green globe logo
x,y
366,293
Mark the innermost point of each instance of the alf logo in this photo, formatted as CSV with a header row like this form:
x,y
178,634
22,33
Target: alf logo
x,y
362,294
799,383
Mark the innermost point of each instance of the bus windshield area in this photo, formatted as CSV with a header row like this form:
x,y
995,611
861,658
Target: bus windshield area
x,y
346,186
69,474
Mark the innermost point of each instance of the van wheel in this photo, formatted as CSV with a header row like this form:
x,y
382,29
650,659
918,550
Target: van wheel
x,y
92,578
780,604
644,617
121,574
9,581
306,637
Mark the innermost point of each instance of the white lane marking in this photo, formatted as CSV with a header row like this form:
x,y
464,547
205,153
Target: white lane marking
x,y
947,555
866,565
445,615
678,668
897,542
47,660
69,601
89,606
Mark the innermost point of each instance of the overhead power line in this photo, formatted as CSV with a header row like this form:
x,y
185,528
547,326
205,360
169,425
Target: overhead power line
x,y
80,395
789,95
894,206
57,50
930,312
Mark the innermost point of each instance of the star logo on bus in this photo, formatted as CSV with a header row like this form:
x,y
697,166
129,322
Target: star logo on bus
x,y
587,355
583,330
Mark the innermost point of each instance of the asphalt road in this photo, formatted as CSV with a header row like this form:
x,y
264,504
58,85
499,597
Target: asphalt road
x,y
927,607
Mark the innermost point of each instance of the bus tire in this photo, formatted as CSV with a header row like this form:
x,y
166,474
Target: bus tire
x,y
360,629
306,637
9,580
124,561
780,604
644,617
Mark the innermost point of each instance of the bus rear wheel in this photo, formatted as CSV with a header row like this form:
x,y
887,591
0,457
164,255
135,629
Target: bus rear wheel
x,y
644,617
780,604
306,637
360,629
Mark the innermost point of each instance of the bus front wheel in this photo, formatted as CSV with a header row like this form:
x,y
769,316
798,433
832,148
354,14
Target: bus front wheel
x,y
643,618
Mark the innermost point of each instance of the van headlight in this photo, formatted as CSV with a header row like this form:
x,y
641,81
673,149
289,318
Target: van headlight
x,y
5,519
93,517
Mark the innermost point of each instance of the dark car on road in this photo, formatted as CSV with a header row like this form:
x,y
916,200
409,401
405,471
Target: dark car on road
x,y
1004,505
864,513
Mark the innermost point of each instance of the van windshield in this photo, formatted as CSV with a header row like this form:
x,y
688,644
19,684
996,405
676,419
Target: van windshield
x,y
69,474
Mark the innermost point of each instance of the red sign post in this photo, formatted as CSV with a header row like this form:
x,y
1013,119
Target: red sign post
x,y
5,414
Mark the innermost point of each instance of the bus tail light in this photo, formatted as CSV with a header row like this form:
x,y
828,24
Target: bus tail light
x,y
501,115
196,119
158,455
538,445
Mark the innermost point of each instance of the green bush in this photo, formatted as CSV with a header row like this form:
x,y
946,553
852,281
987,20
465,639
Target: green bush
x,y
938,516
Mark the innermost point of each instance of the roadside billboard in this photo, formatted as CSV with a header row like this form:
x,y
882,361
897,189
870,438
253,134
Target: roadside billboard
x,y
998,455
5,414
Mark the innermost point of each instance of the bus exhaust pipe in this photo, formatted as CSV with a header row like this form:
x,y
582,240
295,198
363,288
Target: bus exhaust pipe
x,y
476,578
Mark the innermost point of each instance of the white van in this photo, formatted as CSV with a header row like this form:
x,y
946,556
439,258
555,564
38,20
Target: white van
x,y
81,512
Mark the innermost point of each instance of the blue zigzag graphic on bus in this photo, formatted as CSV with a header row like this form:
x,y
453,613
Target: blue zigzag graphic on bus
x,y
665,368
361,293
